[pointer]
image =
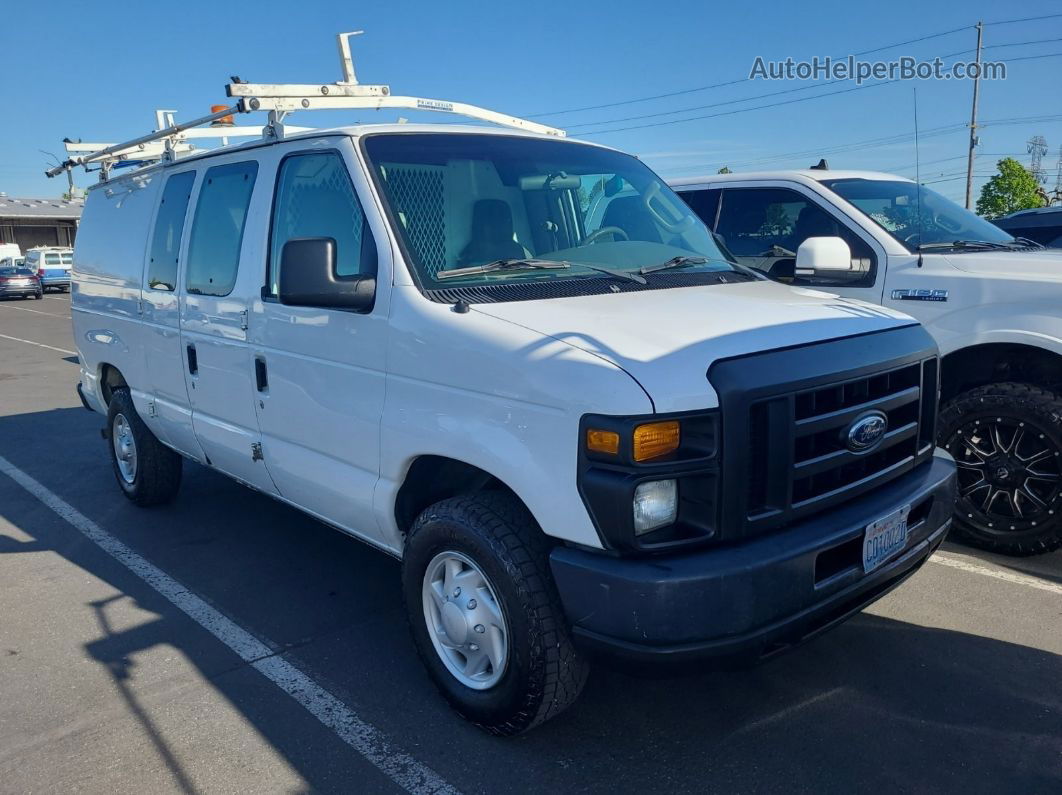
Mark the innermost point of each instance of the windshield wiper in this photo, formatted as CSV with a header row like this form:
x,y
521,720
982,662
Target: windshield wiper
x,y
504,265
1028,243
963,244
681,261
630,276
685,260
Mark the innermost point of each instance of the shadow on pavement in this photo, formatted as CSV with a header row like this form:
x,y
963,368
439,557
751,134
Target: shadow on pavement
x,y
878,702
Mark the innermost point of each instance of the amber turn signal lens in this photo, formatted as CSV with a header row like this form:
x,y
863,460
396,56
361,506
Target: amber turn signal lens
x,y
655,439
602,441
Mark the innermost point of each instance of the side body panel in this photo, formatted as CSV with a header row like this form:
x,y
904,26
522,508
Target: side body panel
x,y
499,396
319,413
221,390
108,263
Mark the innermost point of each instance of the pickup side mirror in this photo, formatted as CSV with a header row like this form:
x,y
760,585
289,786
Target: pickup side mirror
x,y
823,255
308,278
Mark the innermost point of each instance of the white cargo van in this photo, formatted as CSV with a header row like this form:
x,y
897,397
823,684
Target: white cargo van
x,y
992,301
577,440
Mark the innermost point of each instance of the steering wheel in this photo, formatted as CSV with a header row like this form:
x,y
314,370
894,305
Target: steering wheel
x,y
676,224
615,231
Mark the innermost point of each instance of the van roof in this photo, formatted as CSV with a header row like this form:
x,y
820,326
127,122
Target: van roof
x,y
353,131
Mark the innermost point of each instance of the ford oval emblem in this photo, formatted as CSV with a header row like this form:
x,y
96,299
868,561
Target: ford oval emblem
x,y
866,432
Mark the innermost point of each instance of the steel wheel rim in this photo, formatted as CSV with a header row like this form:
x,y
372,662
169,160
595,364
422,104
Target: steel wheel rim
x,y
1010,474
124,448
465,620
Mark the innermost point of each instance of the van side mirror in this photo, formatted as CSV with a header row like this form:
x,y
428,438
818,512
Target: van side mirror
x,y
308,278
823,255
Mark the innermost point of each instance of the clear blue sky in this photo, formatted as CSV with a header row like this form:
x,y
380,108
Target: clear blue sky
x,y
98,70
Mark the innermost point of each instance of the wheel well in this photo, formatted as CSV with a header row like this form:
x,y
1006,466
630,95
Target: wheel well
x,y
996,362
432,478
110,379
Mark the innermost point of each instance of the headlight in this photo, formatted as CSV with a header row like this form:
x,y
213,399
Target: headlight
x,y
655,505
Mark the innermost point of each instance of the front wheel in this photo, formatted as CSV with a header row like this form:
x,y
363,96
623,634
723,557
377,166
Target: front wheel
x,y
485,614
148,472
1007,442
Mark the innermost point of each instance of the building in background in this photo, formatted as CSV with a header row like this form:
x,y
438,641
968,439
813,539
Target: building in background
x,y
39,222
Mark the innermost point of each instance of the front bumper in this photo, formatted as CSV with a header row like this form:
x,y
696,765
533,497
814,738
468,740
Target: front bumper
x,y
753,599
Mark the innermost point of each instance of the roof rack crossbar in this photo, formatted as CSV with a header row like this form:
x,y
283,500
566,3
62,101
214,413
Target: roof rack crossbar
x,y
115,149
279,100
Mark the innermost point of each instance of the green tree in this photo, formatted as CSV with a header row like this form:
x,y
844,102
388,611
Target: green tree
x,y
724,170
1012,189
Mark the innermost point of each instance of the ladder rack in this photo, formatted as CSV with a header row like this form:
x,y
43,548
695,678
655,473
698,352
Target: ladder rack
x,y
278,100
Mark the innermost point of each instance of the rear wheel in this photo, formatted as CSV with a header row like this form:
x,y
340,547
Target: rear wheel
x,y
485,614
148,472
1007,442
37,296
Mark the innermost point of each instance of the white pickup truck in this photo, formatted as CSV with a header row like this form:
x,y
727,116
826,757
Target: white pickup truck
x,y
993,302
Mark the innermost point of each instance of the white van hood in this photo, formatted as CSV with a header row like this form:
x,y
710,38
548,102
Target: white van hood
x,y
667,339
1040,264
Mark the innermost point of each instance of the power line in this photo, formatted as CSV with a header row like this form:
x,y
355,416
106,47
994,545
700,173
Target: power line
x,y
736,81
1024,19
747,99
730,82
1000,46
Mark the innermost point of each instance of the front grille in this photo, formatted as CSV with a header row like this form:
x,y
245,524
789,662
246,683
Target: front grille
x,y
822,464
786,454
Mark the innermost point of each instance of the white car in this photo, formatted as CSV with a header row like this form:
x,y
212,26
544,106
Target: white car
x,y
991,301
577,440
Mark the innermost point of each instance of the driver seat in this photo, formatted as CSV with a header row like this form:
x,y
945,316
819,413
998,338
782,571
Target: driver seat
x,y
629,214
491,235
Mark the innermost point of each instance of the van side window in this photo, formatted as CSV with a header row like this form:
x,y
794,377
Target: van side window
x,y
169,225
217,230
764,227
315,198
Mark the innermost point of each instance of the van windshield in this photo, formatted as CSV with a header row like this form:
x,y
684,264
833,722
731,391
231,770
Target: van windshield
x,y
894,206
475,210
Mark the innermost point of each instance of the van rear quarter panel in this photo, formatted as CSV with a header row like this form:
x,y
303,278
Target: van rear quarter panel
x,y
106,281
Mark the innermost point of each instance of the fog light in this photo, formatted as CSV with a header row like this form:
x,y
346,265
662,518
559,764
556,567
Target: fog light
x,y
655,505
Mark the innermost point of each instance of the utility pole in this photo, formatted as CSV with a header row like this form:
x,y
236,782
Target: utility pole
x,y
973,121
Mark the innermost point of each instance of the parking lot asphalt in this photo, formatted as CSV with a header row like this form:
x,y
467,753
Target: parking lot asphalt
x,y
229,643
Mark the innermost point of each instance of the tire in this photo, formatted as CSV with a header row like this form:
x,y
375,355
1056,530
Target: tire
x,y
1007,440
38,296
542,674
154,476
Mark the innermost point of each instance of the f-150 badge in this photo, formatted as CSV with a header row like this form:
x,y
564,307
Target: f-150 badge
x,y
920,295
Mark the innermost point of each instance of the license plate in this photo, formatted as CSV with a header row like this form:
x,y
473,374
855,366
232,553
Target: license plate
x,y
884,538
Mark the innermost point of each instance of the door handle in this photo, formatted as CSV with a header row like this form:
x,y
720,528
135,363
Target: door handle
x,y
193,361
261,377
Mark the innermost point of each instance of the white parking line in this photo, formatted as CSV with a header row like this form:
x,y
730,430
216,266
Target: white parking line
x,y
38,344
363,737
34,311
955,562
58,298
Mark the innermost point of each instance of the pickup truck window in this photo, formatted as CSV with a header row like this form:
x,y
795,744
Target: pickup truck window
x,y
894,206
764,227
315,198
217,230
169,225
462,201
